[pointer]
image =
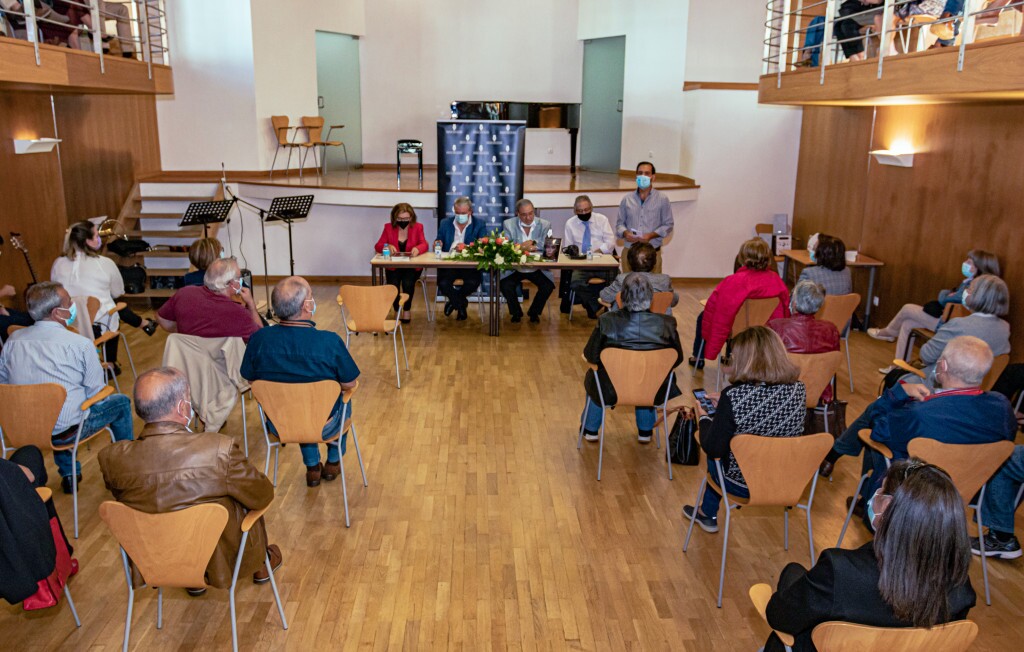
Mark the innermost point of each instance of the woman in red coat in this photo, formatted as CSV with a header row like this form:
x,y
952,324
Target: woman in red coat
x,y
753,280
405,235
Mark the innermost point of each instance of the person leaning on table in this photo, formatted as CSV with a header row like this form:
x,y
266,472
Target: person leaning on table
x,y
404,235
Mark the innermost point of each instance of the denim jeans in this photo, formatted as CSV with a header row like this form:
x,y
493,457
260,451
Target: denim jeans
x,y
311,452
1001,494
114,411
593,415
709,505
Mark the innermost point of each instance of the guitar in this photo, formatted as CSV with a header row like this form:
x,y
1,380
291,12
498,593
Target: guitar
x,y
19,244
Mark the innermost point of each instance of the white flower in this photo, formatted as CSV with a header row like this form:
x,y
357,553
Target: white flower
x,y
523,259
498,260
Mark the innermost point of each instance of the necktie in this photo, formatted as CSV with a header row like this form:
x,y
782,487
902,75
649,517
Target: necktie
x,y
586,237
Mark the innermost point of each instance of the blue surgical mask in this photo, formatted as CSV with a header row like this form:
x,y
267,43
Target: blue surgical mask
x,y
872,516
223,254
814,257
965,267
643,182
74,314
313,309
462,218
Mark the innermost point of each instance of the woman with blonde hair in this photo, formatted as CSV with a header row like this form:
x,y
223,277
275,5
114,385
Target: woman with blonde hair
x,y
201,254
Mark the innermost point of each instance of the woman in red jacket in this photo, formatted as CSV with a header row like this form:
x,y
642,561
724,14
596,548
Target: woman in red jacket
x,y
753,280
404,234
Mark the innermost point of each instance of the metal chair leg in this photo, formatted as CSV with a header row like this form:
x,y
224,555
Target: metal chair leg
x,y
159,608
71,605
849,513
359,455
572,302
785,528
231,592
74,480
697,357
981,543
394,340
696,506
278,149
600,451
131,601
849,369
725,546
128,351
344,486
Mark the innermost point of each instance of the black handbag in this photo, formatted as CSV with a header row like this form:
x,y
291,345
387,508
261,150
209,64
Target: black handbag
x,y
134,278
682,440
126,248
934,309
814,422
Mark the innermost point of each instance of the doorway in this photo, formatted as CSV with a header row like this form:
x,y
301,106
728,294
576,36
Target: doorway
x,y
339,102
604,71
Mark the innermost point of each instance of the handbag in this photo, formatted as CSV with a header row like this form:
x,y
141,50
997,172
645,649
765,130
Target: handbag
x,y
126,248
814,421
933,309
682,440
51,587
134,278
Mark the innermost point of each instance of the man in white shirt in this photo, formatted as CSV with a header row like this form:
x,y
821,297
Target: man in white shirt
x,y
589,231
528,230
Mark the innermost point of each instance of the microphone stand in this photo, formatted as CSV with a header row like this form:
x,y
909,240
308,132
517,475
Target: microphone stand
x,y
263,214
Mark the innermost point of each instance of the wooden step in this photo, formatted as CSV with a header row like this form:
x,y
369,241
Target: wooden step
x,y
166,272
164,254
179,198
154,216
152,294
189,232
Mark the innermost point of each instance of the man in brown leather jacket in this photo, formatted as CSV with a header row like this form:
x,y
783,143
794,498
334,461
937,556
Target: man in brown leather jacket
x,y
169,467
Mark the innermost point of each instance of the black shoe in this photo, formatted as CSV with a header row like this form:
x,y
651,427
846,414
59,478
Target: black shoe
x,y
149,330
517,318
65,483
591,313
996,548
706,523
448,308
195,593
534,319
462,315
116,366
694,362
825,471
565,307
858,509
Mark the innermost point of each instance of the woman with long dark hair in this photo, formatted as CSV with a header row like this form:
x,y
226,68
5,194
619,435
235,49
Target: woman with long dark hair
x,y
914,574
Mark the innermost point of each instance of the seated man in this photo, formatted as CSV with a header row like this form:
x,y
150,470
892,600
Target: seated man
x,y
999,507
802,333
589,231
47,352
634,328
294,351
170,468
642,257
958,413
10,317
526,230
209,310
462,229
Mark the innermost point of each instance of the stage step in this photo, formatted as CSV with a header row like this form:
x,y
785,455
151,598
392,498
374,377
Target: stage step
x,y
152,294
180,198
171,271
189,232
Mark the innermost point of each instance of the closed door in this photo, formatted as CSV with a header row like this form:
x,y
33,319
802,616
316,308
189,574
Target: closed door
x,y
604,70
337,81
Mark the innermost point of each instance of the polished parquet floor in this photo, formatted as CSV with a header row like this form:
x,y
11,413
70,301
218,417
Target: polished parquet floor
x,y
482,527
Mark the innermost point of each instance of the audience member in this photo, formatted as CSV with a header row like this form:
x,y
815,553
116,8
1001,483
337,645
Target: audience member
x,y
294,351
210,311
47,352
854,15
454,232
9,316
829,270
403,234
1011,383
642,257
170,468
765,398
201,254
645,215
802,333
588,231
634,328
1001,501
992,10
902,13
756,279
914,573
118,12
528,231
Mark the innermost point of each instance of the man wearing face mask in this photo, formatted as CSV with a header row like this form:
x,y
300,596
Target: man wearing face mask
x,y
170,468
528,231
47,352
645,215
294,351
589,231
209,310
460,229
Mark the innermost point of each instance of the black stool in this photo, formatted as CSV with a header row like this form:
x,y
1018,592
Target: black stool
x,y
410,147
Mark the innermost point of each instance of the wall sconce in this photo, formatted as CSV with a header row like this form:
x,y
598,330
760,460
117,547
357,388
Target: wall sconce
x,y
901,155
34,145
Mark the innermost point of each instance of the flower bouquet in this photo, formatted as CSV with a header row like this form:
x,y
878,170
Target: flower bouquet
x,y
494,251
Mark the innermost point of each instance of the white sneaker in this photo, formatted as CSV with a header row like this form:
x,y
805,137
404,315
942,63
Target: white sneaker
x,y
644,439
592,437
885,370
877,334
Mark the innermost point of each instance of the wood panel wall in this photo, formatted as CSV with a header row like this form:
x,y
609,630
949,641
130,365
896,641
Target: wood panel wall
x,y
965,191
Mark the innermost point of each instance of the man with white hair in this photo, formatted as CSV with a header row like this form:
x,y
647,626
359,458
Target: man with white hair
x,y
209,310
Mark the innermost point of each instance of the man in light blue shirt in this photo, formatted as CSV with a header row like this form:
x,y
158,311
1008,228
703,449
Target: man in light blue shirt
x,y
47,352
645,215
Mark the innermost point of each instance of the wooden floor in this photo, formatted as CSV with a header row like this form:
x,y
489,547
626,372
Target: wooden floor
x,y
483,527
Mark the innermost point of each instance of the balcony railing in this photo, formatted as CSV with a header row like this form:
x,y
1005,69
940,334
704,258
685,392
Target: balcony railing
x,y
789,24
139,26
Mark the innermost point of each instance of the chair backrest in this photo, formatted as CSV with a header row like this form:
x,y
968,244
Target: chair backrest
x,y
969,465
838,309
315,126
28,413
14,327
954,311
753,312
93,305
778,469
999,364
367,306
660,301
816,371
298,411
280,124
170,549
848,637
637,375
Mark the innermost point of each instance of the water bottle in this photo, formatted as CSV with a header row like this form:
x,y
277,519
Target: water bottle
x,y
590,254
438,247
386,252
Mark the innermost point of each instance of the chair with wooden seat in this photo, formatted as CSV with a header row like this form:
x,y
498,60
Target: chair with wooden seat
x,y
838,309
999,364
886,453
28,414
45,494
970,466
817,370
365,309
918,336
637,377
281,132
920,22
106,335
299,412
572,293
752,312
315,128
777,470
172,550
547,305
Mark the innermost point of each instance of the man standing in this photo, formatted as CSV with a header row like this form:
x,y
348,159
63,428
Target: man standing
x,y
589,231
47,352
294,351
171,468
463,229
209,310
528,231
645,215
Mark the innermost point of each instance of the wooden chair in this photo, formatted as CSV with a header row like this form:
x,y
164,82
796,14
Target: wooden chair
x,y
281,129
999,364
838,309
777,471
14,327
816,372
315,128
886,453
365,309
848,637
920,22
637,377
760,595
299,412
45,494
106,335
918,336
171,550
590,281
752,312
970,466
661,302
28,414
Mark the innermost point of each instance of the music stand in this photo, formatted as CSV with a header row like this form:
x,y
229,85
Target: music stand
x,y
289,209
206,212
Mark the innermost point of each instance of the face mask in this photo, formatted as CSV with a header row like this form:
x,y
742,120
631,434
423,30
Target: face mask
x,y
238,290
74,314
872,516
967,293
526,227
312,310
403,224
965,267
584,217
813,256
462,218
191,412
643,182
223,254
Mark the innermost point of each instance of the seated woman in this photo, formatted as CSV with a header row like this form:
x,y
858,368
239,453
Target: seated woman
x,y
914,574
766,398
201,253
634,328
902,13
753,280
641,258
802,333
913,316
830,268
9,316
405,235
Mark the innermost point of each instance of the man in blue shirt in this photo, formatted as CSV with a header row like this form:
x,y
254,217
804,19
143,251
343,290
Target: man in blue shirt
x,y
294,351
462,229
645,215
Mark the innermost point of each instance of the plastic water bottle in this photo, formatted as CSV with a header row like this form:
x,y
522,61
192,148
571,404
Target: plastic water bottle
x,y
386,252
590,254
438,247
